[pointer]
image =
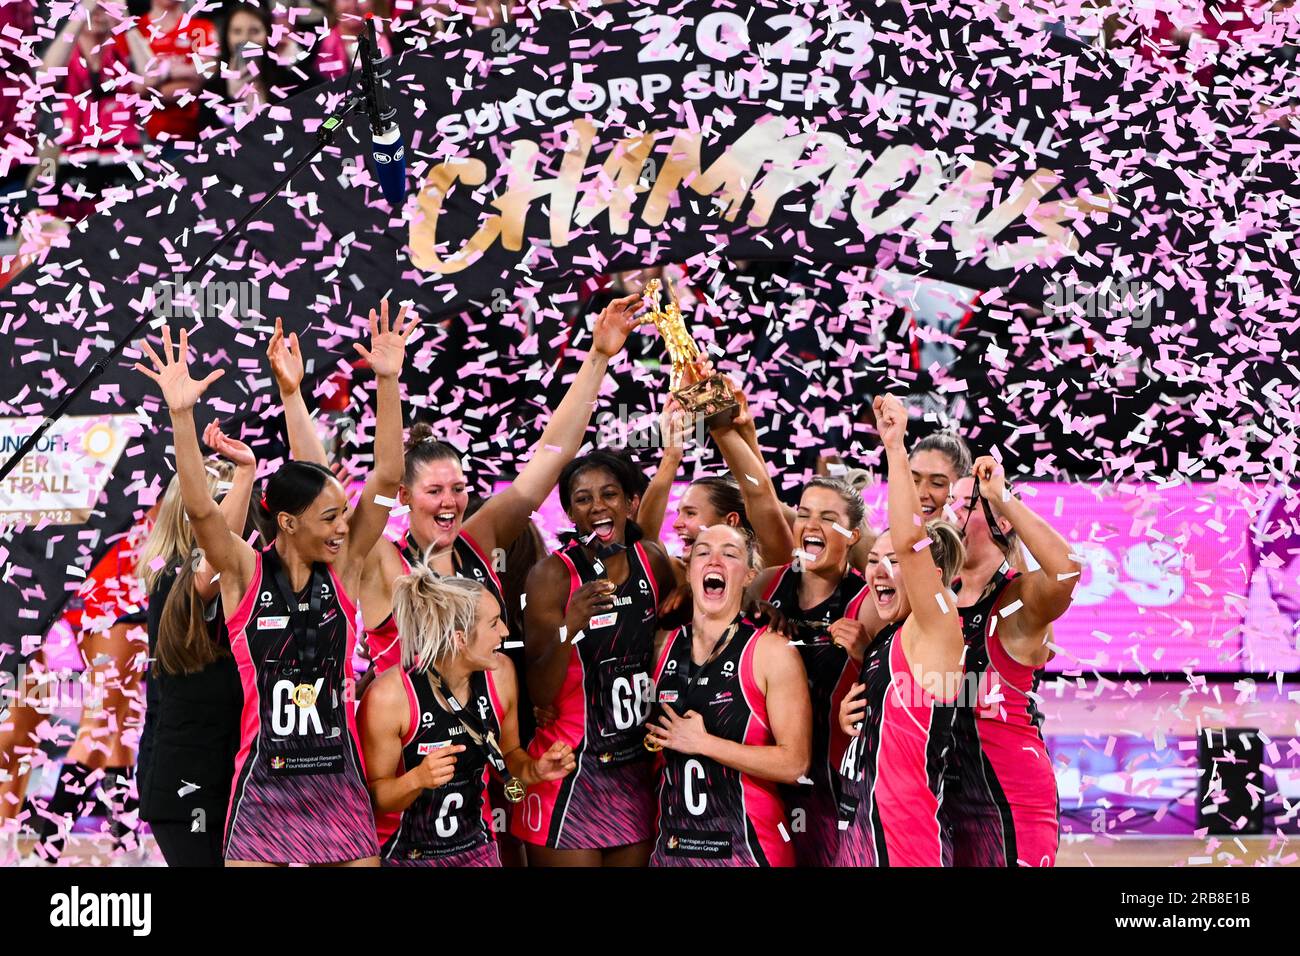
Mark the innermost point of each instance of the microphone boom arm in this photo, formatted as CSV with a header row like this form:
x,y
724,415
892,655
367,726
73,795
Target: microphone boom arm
x,y
324,137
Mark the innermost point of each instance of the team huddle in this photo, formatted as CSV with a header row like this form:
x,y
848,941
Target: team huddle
x,y
795,690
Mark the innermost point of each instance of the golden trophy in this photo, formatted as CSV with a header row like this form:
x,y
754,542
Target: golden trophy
x,y
708,397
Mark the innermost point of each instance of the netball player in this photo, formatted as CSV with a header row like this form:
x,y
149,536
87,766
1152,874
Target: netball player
x,y
937,462
746,499
590,620
433,484
194,697
999,800
825,602
733,720
433,727
299,793
909,681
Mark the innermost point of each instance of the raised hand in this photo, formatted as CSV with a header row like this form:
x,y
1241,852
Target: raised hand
x,y
556,763
172,372
615,322
992,478
891,420
227,447
743,422
345,479
286,359
387,342
674,426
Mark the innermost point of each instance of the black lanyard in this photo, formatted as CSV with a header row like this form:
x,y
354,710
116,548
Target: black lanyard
x,y
407,549
484,739
691,673
415,557
302,634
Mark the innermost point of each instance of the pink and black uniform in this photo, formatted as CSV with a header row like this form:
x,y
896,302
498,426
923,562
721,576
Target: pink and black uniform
x,y
447,826
711,815
299,793
893,770
830,674
384,643
1000,803
602,707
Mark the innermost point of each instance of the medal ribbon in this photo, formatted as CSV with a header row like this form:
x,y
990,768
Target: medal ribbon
x,y
692,672
306,648
484,739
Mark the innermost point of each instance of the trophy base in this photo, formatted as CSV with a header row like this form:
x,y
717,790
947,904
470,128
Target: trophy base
x,y
710,400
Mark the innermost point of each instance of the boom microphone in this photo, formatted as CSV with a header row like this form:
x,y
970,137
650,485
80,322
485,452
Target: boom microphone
x,y
387,151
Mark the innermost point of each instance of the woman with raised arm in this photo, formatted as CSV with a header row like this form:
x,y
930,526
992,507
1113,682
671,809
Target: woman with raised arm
x,y
733,720
590,622
194,698
433,484
909,682
824,601
999,798
438,726
747,498
299,793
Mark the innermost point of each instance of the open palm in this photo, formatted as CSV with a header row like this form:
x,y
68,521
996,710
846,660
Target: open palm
x,y
286,359
387,342
615,322
172,372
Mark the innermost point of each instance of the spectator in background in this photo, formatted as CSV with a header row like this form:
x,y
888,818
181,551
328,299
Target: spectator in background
x,y
98,130
249,75
183,48
346,21
16,24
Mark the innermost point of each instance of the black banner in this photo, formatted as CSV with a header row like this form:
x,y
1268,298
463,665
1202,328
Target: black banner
x,y
1108,195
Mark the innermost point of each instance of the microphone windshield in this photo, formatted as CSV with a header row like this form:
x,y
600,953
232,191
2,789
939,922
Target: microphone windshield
x,y
389,155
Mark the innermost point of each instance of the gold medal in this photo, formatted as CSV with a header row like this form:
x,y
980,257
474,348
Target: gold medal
x,y
304,695
515,790
650,744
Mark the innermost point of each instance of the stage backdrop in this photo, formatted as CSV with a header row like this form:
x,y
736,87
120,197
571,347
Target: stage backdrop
x,y
996,155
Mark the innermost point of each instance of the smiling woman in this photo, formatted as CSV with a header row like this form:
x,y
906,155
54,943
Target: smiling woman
x,y
733,719
590,617
938,461
428,775
825,601
299,793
